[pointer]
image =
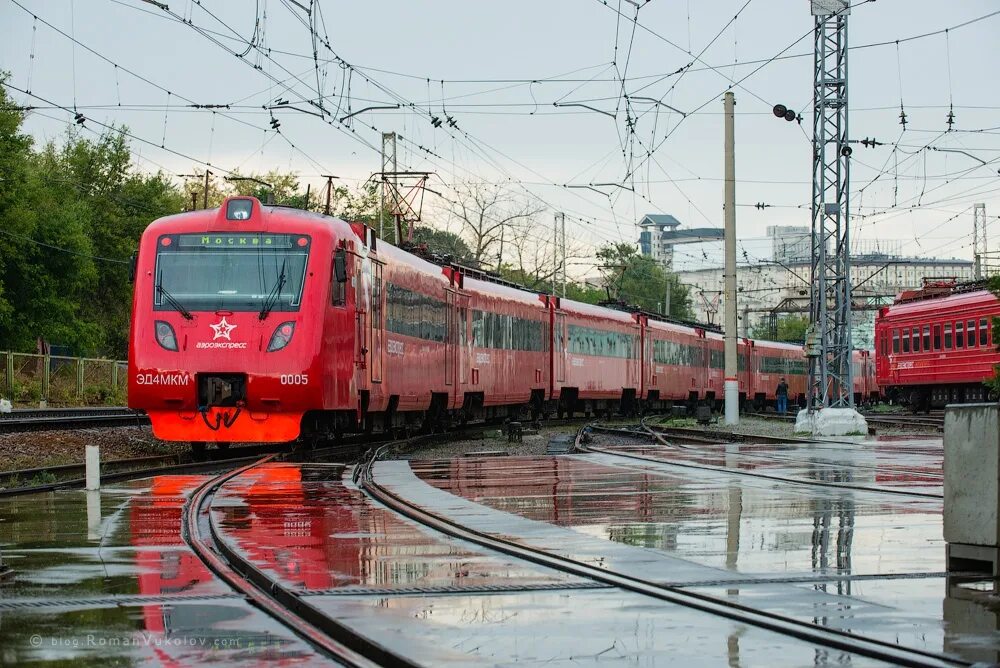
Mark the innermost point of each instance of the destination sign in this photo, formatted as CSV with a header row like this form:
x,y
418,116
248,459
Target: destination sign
x,y
240,240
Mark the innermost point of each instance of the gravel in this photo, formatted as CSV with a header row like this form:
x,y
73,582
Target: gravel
x,y
52,448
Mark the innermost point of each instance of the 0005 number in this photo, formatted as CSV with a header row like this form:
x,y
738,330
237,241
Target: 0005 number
x,y
294,379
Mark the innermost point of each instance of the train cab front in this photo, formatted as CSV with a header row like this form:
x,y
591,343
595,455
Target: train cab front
x,y
220,348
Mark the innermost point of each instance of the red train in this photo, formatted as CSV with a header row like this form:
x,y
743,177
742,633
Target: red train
x,y
935,346
255,323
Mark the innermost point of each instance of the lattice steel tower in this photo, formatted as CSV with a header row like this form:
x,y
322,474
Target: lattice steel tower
x,y
979,251
830,368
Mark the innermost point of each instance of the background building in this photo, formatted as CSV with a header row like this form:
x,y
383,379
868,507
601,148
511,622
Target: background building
x,y
769,289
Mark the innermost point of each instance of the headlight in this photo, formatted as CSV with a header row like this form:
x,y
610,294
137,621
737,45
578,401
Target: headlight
x,y
282,335
165,335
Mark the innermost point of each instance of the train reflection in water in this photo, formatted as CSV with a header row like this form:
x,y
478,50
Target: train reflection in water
x,y
184,629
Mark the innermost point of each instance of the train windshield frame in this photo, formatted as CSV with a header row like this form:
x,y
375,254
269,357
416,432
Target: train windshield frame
x,y
230,272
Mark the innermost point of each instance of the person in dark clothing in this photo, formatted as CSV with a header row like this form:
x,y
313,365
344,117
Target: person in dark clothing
x,y
782,396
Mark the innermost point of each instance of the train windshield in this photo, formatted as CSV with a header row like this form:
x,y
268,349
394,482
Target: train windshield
x,y
234,272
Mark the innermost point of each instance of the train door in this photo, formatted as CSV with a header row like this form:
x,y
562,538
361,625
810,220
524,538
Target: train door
x,y
464,344
377,324
451,338
647,362
635,360
559,341
744,366
361,333
703,367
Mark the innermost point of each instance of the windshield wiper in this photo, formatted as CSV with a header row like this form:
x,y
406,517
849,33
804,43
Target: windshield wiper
x,y
274,295
170,299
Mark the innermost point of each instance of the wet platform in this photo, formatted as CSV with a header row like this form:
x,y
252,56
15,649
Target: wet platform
x,y
107,577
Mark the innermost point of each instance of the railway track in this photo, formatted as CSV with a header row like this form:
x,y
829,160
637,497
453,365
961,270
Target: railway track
x,y
48,419
608,575
326,634
120,470
138,467
654,434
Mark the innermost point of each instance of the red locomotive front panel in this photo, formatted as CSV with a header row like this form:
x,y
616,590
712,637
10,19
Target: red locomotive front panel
x,y
222,348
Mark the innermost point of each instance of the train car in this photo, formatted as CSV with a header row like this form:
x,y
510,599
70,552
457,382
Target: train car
x,y
769,362
938,348
271,324
507,350
681,364
866,390
236,314
596,358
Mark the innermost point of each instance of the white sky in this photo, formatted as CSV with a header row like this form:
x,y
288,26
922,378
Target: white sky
x,y
488,54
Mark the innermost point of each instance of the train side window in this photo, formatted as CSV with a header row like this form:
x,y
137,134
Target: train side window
x,y
959,334
937,337
947,336
895,340
927,338
916,339
984,331
970,333
906,340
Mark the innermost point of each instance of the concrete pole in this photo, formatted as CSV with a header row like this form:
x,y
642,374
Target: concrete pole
x,y
732,381
93,467
666,295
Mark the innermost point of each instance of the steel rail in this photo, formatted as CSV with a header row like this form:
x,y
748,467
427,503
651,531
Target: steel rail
x,y
755,455
806,631
80,420
330,636
231,457
753,474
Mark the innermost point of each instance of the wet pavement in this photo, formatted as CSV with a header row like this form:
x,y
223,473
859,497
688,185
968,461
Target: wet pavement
x,y
107,578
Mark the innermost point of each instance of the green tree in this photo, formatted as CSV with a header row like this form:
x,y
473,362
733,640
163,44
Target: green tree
x,y
15,149
70,216
791,328
638,280
442,242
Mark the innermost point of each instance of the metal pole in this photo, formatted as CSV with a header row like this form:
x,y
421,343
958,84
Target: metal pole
x,y
562,232
979,240
308,187
732,392
503,228
194,200
831,368
329,192
555,253
208,173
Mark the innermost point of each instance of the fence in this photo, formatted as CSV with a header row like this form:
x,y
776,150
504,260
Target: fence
x,y
29,380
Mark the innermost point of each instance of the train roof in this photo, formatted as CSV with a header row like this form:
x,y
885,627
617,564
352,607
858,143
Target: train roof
x,y
582,308
942,304
263,218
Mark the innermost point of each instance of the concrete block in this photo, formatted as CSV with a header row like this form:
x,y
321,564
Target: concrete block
x,y
5,406
831,422
971,474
